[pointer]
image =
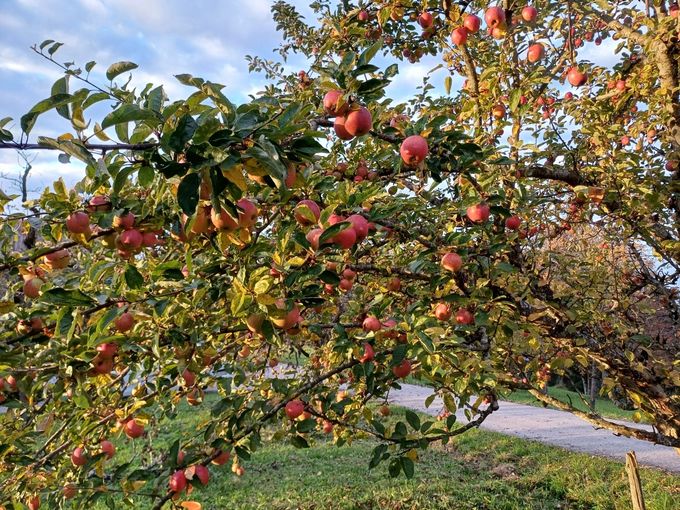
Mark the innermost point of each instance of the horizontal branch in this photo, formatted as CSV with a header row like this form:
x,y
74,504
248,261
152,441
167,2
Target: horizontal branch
x,y
106,147
562,174
598,421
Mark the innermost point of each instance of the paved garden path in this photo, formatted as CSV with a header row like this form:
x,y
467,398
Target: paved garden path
x,y
550,426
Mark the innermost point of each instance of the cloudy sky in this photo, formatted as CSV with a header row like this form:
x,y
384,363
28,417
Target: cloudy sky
x,y
207,38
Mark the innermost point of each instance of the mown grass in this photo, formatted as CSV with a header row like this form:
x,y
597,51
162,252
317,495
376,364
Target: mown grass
x,y
478,471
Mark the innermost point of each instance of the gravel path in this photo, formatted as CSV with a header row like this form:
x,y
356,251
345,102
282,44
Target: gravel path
x,y
551,426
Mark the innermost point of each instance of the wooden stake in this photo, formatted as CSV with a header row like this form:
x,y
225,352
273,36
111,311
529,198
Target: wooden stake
x,y
634,481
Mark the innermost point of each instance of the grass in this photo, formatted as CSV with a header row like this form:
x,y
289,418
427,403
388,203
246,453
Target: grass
x,y
479,471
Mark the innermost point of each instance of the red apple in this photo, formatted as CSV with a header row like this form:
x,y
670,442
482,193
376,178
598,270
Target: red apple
x,y
69,491
78,222
442,312
498,111
248,213
425,20
369,353
513,223
360,225
327,427
535,52
494,17
345,239
414,150
307,212
345,285
371,323
358,121
222,220
178,482
576,78
99,203
102,366
349,274
125,222
78,457
295,408
340,129
107,350
32,287
130,240
332,103
201,472
124,322
57,259
529,14
285,319
394,285
478,213
313,237
402,369
452,262
34,503
459,36
108,448
133,429
472,23
363,15
149,239
189,377
463,316
221,458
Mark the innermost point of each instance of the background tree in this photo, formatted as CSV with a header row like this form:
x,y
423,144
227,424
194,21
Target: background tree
x,y
207,241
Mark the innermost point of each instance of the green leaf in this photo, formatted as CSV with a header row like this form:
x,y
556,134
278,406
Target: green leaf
x,y
119,68
408,467
133,278
188,193
299,442
61,87
307,146
333,230
186,127
268,156
72,148
28,120
394,468
412,419
127,113
59,296
369,53
372,85
145,176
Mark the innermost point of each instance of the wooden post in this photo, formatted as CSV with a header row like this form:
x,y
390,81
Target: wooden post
x,y
634,481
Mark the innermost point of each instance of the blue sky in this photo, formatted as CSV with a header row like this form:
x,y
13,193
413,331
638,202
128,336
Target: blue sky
x,y
208,38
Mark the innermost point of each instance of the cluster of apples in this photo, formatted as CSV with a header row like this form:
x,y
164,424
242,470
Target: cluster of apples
x,y
308,212
350,119
208,219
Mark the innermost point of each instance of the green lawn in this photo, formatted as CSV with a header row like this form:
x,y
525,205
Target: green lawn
x,y
480,470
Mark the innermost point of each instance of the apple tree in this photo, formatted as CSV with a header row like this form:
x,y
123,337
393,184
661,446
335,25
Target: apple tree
x,y
301,254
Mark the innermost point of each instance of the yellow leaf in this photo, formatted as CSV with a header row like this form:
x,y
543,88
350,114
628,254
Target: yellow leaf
x,y
235,175
65,136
